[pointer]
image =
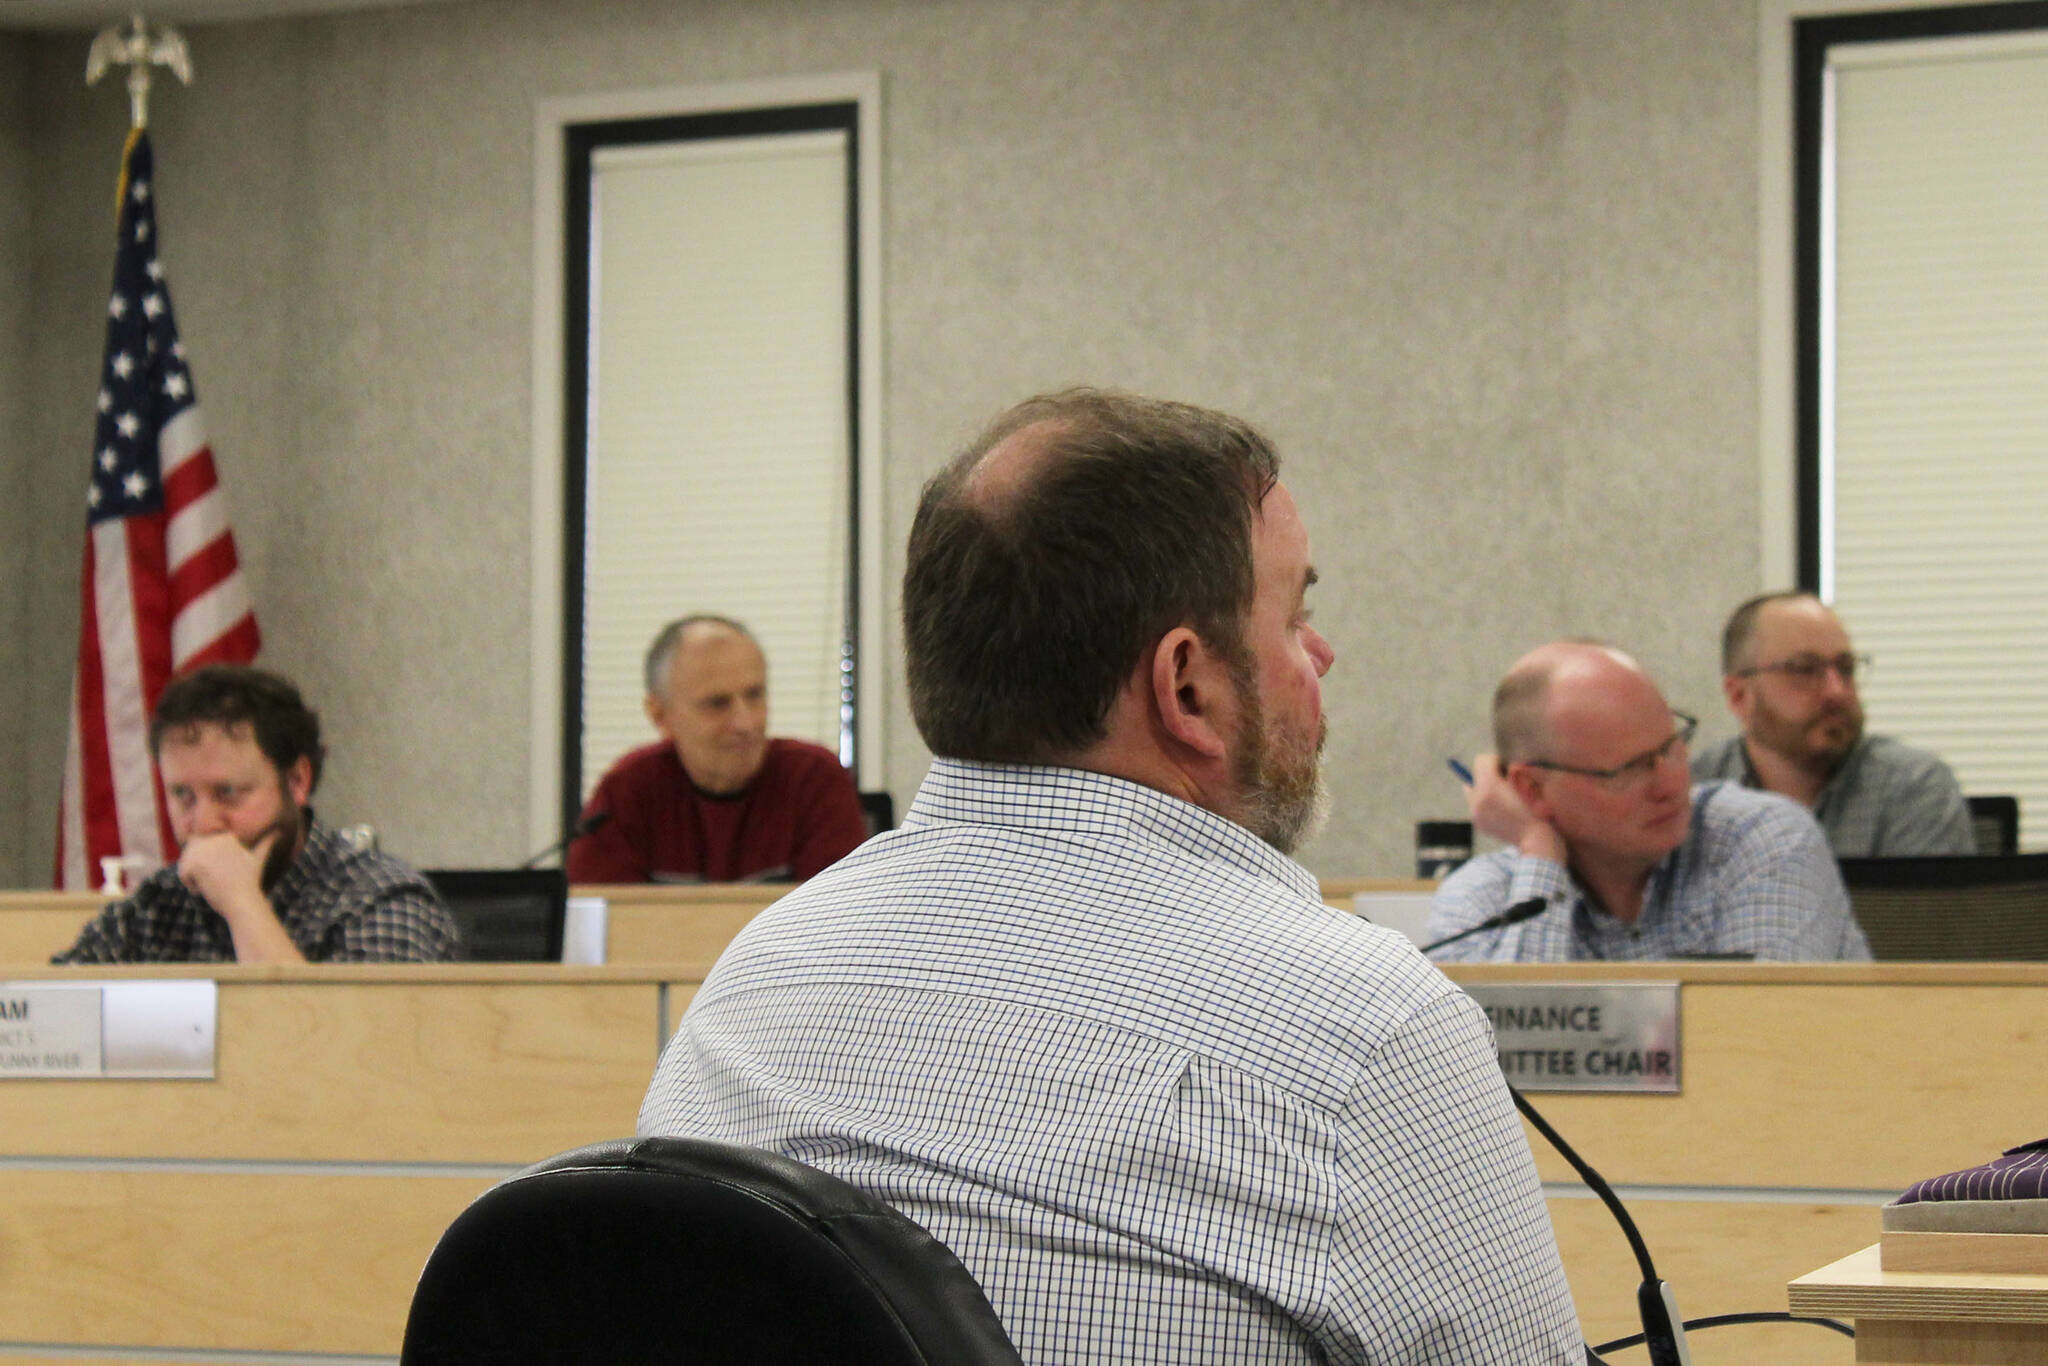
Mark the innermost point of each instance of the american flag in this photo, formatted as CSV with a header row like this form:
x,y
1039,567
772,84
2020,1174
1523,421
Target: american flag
x,y
162,590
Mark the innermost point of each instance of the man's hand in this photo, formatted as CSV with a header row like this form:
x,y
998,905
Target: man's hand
x,y
230,879
228,876
1498,811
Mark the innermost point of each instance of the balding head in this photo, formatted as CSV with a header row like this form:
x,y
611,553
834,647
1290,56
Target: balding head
x,y
995,482
696,628
1052,553
1524,725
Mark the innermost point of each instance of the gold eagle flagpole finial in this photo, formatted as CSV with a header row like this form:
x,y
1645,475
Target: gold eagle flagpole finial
x,y
138,47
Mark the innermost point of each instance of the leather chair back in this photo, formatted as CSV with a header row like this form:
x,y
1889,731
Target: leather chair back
x,y
683,1251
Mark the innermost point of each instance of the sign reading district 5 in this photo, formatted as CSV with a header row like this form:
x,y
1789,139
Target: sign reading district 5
x,y
108,1029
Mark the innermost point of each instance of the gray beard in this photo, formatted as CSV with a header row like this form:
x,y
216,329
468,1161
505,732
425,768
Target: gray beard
x,y
1282,797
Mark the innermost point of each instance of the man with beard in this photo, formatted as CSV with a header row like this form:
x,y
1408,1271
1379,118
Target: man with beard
x,y
1588,790
1789,676
259,880
1080,1016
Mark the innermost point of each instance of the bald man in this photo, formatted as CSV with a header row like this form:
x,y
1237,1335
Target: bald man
x,y
715,799
1788,674
1589,791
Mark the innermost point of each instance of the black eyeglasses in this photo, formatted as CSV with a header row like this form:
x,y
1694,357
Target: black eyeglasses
x,y
1808,671
1636,772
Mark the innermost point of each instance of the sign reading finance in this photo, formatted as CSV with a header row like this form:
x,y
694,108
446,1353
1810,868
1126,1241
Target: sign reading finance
x,y
107,1029
1610,1036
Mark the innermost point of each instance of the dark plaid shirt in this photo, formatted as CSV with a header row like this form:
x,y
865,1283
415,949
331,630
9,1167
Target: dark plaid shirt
x,y
340,904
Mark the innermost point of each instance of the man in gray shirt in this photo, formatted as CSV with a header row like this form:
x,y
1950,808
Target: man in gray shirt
x,y
1789,676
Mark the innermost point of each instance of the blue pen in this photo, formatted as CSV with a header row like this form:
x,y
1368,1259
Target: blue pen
x,y
1464,774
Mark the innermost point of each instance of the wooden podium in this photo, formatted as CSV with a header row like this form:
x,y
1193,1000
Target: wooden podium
x,y
1931,1318
1954,1307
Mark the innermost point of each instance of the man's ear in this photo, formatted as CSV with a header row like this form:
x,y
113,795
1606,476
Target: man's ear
x,y
298,781
652,705
1192,693
1738,693
1527,782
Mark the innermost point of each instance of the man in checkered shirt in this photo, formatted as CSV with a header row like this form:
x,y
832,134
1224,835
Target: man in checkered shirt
x,y
258,879
1080,1016
1589,790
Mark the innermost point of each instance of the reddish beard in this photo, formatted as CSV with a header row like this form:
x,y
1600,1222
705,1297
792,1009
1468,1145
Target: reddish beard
x,y
288,827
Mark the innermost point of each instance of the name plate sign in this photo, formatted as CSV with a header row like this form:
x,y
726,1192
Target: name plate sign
x,y
1609,1036
108,1029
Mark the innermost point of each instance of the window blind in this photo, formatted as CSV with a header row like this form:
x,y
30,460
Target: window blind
x,y
718,474
1935,437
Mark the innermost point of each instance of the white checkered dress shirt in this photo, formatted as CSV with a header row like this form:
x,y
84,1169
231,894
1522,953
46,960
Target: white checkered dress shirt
x,y
1753,878
1163,1103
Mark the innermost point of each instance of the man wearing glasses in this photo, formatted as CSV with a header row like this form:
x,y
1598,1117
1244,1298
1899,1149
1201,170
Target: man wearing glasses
x,y
1789,676
1589,791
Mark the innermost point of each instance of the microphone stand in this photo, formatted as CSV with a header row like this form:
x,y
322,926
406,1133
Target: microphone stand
x,y
596,820
1513,915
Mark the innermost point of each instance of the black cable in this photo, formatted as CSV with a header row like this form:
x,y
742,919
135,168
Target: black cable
x,y
1723,1320
1662,1332
1592,1179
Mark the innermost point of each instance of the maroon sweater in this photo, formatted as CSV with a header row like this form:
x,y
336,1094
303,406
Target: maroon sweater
x,y
799,816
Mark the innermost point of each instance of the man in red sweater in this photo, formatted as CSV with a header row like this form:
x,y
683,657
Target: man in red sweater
x,y
716,800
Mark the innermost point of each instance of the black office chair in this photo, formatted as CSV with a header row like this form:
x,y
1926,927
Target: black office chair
x,y
878,809
673,1250
1995,822
1968,908
506,915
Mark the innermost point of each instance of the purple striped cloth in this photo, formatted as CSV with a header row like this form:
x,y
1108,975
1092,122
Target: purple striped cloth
x,y
2021,1174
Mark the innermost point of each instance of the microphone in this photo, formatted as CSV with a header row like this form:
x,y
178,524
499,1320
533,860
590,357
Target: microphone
x,y
594,821
1513,915
1663,1329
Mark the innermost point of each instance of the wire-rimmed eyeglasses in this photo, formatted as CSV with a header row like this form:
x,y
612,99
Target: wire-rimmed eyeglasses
x,y
1636,772
1808,671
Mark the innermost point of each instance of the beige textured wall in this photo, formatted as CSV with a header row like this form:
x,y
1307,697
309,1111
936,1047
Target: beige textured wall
x,y
15,240
1485,269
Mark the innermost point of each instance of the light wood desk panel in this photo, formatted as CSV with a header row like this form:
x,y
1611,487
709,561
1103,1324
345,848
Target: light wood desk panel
x,y
463,1063
206,1261
1719,1258
36,924
1946,1318
1834,1076
289,1204
664,924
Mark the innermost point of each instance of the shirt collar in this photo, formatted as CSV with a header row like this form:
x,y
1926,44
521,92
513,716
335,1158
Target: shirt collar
x,y
1837,776
1592,924
1079,802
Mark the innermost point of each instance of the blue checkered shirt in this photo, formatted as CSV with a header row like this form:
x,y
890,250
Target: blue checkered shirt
x,y
1163,1103
1753,877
